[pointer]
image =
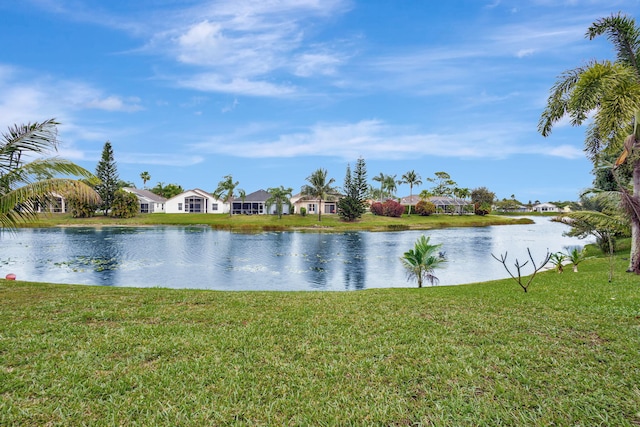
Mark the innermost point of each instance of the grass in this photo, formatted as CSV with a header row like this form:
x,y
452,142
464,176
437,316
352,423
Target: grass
x,y
566,353
288,222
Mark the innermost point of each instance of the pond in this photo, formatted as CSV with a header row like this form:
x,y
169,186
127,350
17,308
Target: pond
x,y
202,258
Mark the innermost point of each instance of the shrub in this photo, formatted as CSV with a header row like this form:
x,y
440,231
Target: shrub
x,y
303,211
80,208
124,205
376,208
392,208
389,208
483,209
425,208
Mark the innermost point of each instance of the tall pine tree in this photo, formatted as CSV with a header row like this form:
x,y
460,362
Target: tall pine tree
x,y
353,204
107,173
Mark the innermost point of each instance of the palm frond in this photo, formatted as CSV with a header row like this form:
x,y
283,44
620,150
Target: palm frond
x,y
24,139
558,101
622,31
20,205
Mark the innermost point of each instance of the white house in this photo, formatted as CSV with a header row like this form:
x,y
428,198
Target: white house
x,y
149,202
54,203
195,201
545,207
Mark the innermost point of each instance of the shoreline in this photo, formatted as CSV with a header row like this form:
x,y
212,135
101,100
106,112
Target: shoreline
x,y
294,223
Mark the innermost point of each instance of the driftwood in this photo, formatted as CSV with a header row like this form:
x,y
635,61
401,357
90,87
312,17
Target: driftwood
x,y
519,279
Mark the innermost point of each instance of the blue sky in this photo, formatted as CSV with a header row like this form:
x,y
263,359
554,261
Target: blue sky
x,y
271,90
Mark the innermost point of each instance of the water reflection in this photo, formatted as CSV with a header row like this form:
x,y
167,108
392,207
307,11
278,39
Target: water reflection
x,y
355,265
198,257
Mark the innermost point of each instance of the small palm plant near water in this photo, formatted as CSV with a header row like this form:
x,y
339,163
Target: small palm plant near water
x,y
576,256
422,260
557,259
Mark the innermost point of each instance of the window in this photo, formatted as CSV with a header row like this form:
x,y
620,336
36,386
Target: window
x,y
144,207
193,204
311,208
329,208
179,206
214,207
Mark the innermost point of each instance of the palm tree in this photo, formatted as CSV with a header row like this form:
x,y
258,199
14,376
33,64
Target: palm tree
x,y
318,187
462,193
279,196
576,256
144,176
381,179
411,178
391,185
557,259
611,91
226,191
425,194
422,260
23,185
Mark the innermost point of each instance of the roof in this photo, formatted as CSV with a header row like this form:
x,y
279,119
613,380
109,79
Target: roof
x,y
145,194
331,197
436,200
256,196
197,191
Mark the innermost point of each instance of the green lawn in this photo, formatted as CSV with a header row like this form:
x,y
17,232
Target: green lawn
x,y
288,222
567,353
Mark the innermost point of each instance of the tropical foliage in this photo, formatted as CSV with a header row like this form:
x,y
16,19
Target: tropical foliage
x,y
576,256
167,191
425,208
319,188
412,178
608,95
421,261
26,180
124,205
443,184
226,191
144,176
558,259
279,196
388,208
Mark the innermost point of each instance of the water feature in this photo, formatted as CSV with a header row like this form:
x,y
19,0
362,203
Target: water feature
x,y
201,258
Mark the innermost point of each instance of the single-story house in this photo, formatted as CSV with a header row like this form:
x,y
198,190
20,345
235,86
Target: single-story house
x,y
312,205
545,207
149,202
54,203
195,201
409,200
254,204
451,204
442,203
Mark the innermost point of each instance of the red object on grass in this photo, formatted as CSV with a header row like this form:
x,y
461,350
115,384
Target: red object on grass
x,y
11,276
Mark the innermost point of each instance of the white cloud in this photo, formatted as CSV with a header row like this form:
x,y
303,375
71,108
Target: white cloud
x,y
168,159
241,43
374,139
239,86
310,64
115,103
525,52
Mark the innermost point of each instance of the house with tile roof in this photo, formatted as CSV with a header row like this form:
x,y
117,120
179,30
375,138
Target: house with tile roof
x,y
312,205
